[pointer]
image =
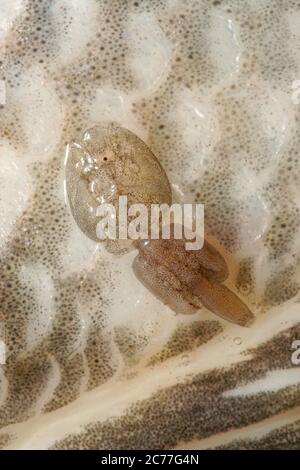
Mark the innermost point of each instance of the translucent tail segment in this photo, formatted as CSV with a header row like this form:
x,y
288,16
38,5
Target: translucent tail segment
x,y
186,280
223,302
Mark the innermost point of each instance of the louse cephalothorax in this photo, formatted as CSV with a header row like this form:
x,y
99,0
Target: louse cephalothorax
x,y
110,161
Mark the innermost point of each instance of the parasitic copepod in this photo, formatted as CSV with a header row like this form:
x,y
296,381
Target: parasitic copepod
x,y
110,161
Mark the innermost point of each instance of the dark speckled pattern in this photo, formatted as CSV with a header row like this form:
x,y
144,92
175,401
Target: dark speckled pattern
x,y
94,360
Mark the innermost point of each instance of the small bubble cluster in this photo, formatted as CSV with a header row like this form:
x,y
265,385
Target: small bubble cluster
x,y
187,338
196,409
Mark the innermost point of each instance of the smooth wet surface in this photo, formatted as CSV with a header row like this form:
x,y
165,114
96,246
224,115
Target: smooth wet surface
x,y
94,360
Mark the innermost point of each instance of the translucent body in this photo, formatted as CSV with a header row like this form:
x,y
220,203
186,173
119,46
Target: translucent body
x,y
110,162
